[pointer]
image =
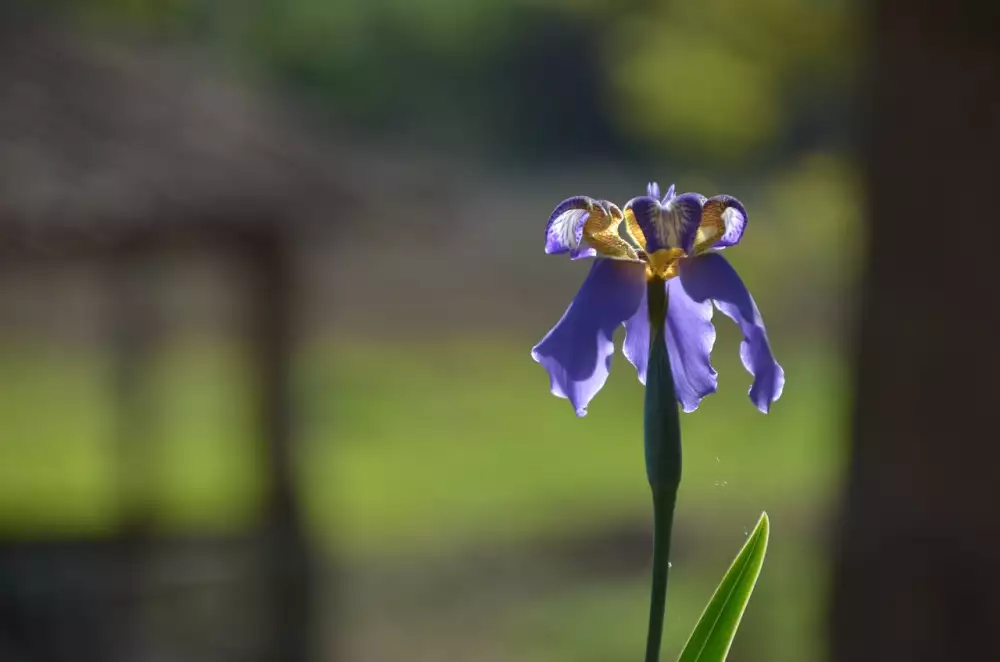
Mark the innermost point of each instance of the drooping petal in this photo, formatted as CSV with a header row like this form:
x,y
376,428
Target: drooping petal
x,y
690,337
577,351
653,190
723,220
564,230
636,345
710,276
670,225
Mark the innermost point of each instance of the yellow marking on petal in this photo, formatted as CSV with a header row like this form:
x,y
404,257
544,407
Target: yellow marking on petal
x,y
664,263
711,228
633,229
601,232
705,238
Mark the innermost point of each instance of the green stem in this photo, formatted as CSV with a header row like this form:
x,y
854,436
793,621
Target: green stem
x,y
663,458
663,519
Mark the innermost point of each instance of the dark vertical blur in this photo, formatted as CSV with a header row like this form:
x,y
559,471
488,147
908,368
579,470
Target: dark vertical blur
x,y
271,272
920,535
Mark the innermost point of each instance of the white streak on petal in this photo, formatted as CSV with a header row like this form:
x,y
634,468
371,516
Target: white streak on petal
x,y
734,224
669,225
567,228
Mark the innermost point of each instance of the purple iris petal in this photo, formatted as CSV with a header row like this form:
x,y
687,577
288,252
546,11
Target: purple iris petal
x,y
653,190
636,345
564,229
685,213
733,216
670,195
690,336
710,276
647,213
577,351
670,225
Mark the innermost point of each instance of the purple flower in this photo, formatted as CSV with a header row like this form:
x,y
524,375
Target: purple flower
x,y
674,240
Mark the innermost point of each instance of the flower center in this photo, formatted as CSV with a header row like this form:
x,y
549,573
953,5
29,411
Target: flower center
x,y
664,263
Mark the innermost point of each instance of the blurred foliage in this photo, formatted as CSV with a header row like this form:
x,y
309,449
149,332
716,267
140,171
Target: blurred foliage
x,y
720,78
807,220
715,81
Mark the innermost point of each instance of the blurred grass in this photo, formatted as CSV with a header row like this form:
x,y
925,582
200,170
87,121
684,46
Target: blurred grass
x,y
56,468
429,451
433,445
60,465
464,442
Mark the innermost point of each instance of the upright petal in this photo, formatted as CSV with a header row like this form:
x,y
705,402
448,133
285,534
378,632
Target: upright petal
x,y
564,229
645,212
653,190
577,351
690,337
682,214
670,194
670,225
710,276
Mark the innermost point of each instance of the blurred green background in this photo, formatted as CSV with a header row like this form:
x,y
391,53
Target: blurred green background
x,y
476,517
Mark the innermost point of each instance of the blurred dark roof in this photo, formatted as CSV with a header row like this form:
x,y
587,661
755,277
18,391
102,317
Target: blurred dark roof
x,y
100,141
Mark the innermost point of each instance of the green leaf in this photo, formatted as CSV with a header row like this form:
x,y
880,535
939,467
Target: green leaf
x,y
717,626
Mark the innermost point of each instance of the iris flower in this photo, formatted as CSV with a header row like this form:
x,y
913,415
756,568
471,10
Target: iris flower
x,y
675,240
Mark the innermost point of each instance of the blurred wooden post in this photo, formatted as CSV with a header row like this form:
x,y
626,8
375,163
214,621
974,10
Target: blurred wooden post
x,y
132,303
916,574
271,274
